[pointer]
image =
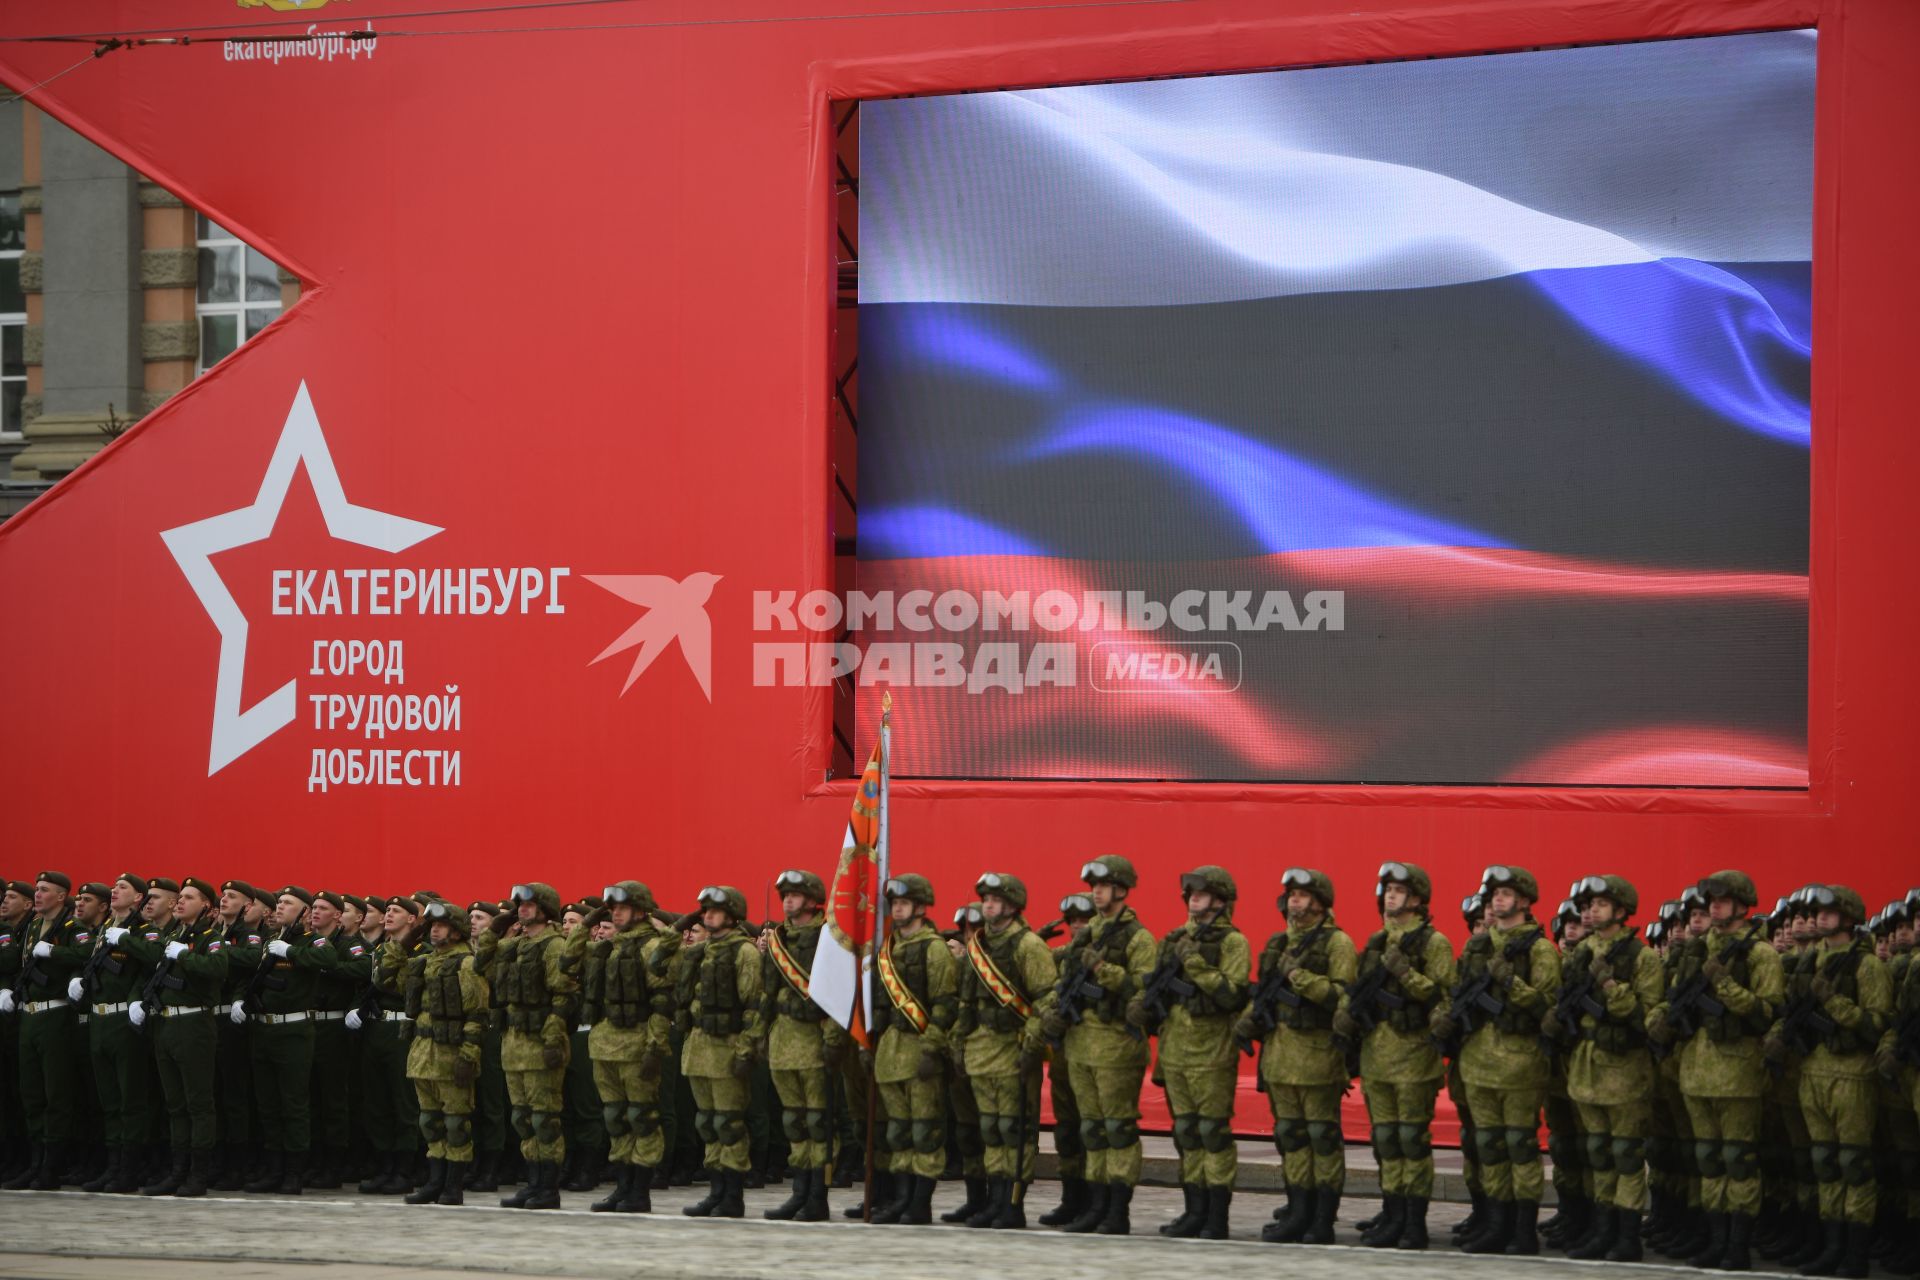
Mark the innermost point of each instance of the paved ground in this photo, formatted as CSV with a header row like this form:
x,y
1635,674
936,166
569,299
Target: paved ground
x,y
70,1235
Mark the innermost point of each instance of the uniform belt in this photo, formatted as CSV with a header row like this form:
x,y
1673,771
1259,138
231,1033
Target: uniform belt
x,y
182,1010
104,1009
223,1009
275,1019
329,1015
41,1006
395,1015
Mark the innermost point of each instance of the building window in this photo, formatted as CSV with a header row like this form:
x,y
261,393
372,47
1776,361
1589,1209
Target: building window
x,y
13,315
239,292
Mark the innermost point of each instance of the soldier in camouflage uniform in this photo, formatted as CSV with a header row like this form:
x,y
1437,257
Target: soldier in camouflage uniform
x,y
1009,978
49,957
122,1060
450,1007
803,1045
1198,1063
1515,966
1069,1152
1473,914
1106,1058
914,999
631,1011
1611,982
1846,985
1303,1071
536,979
719,1000
1897,1058
1722,1075
965,1132
1566,1141
1400,1069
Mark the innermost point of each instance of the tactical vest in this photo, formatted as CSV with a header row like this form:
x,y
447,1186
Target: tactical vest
x,y
988,1012
1479,953
1112,949
626,1000
716,987
910,966
525,981
1212,939
801,942
1843,972
1608,1033
1314,957
444,1003
1412,1015
1728,1026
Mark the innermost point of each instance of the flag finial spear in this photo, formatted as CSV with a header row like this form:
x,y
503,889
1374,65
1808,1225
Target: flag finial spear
x,y
886,702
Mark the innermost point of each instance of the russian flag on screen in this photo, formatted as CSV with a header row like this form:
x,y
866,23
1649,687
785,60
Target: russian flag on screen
x,y
1512,351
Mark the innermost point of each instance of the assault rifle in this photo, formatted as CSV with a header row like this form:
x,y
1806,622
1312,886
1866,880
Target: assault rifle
x,y
163,978
1165,987
262,976
1368,1001
1577,999
1263,1010
1473,1002
98,960
1805,1022
1075,991
1693,1000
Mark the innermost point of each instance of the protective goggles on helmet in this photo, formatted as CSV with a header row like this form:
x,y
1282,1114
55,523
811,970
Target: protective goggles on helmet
x,y
1095,871
1396,872
520,893
1191,884
1820,896
1498,874
790,880
1472,905
614,893
1296,878
1077,904
1693,896
1656,931
991,880
1588,887
438,911
898,888
1569,910
713,896
968,915
1711,887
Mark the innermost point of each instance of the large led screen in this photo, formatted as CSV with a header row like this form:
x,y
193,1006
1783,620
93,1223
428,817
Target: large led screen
x,y
1427,422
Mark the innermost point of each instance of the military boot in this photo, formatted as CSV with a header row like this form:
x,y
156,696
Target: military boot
x,y
733,1185
1715,1245
895,1206
1739,1254
1387,1224
486,1173
639,1196
1219,1204
1094,1199
382,1168
124,1182
1119,1219
815,1209
269,1179
325,1174
429,1191
455,1190
1525,1238
1496,1228
52,1174
1857,1253
199,1172
1833,1243
880,1195
704,1207
1072,1206
786,1209
109,1170
1626,1237
1326,1206
920,1208
1813,1236
1413,1235
1013,1210
1606,1225
1291,1226
975,1201
622,1180
293,1174
1476,1215
546,1193
998,1190
176,1174
1187,1225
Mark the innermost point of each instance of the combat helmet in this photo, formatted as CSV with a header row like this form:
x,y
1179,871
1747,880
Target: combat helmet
x,y
1314,882
1729,884
1110,869
1210,879
915,889
1502,876
804,883
727,898
457,921
1616,889
630,892
1413,877
544,896
1004,883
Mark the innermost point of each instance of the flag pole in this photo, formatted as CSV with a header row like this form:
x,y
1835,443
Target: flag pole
x,y
881,872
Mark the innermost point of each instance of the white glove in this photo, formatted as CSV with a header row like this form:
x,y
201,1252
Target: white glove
x,y
43,949
278,948
6,1001
353,1019
137,1013
114,935
176,949
238,1014
75,989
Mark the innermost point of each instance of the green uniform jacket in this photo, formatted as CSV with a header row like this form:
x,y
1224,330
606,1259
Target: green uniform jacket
x,y
1733,1066
203,966
1493,1058
630,954
1306,1055
1121,954
119,976
10,950
710,1053
897,1056
800,1035
1406,1054
50,974
245,944
297,973
341,986
1198,1034
431,1059
991,1049
1613,1076
1864,1014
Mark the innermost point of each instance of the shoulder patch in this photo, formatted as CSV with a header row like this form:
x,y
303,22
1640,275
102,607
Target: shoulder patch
x,y
153,935
319,942
216,944
356,950
82,937
253,939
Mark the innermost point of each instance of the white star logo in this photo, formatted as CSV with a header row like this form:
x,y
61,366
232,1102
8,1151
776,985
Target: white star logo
x,y
237,731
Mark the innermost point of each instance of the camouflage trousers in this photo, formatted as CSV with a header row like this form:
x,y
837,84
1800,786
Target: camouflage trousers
x,y
1109,1104
1469,1135
803,1115
966,1129
1615,1140
720,1118
1566,1144
1202,1105
913,1116
446,1119
1306,1129
1402,1118
1506,1124
630,1110
1009,1122
1068,1142
538,1102
1726,1153
1899,1153
1840,1112
1670,1162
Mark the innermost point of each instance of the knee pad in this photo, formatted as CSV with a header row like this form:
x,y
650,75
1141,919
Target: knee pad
x,y
1491,1146
1216,1133
1523,1146
1856,1165
899,1134
459,1131
614,1116
1599,1150
1186,1132
1629,1155
1093,1135
793,1123
1122,1133
1386,1142
548,1127
1740,1160
929,1136
1826,1162
817,1129
643,1119
1706,1159
433,1125
523,1121
730,1127
1416,1141
1289,1135
1324,1137
703,1125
